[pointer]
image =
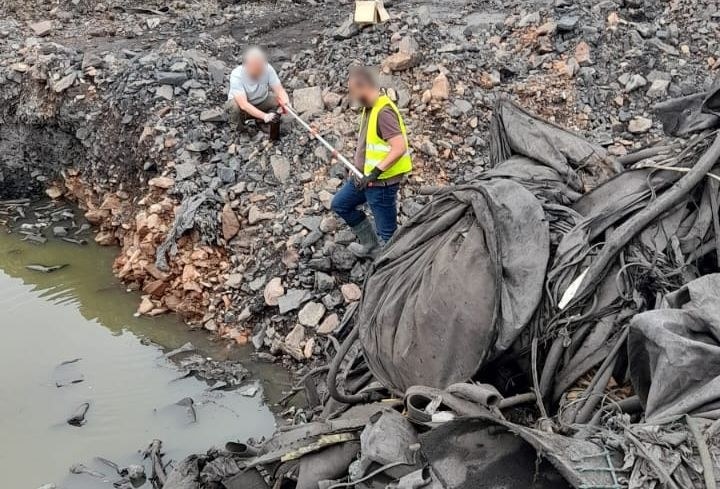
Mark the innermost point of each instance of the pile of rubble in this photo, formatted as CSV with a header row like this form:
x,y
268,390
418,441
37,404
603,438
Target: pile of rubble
x,y
136,134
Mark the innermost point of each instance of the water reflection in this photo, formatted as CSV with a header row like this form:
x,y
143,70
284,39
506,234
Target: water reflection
x,y
81,311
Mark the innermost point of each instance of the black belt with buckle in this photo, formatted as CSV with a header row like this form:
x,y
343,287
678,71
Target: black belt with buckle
x,y
384,183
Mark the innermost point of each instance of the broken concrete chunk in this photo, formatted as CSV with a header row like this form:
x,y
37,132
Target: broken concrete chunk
x,y
281,168
292,300
308,100
42,28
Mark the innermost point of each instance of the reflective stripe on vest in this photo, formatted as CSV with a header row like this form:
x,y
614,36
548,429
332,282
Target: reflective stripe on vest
x,y
376,149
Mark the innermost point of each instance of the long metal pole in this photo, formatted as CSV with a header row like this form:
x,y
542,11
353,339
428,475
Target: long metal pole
x,y
317,136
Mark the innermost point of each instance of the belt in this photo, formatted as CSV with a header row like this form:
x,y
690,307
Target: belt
x,y
384,183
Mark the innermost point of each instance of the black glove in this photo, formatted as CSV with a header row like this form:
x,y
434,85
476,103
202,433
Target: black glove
x,y
366,179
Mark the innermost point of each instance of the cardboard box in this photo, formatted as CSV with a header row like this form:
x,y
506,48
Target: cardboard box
x,y
370,12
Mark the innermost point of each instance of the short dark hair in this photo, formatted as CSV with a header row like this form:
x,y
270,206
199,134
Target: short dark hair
x,y
363,75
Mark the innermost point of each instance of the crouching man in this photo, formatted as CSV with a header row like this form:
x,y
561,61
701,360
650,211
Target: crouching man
x,y
255,90
382,155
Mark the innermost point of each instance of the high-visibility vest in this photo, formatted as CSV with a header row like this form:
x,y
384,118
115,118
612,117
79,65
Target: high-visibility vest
x,y
376,148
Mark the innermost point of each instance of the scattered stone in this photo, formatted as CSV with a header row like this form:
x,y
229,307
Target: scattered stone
x,y
230,223
658,89
440,88
273,291
351,292
293,342
308,100
64,83
213,115
292,300
59,231
165,92
42,28
281,168
639,125
311,314
347,29
582,53
635,82
161,182
329,324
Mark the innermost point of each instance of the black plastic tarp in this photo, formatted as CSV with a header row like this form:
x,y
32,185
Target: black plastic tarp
x,y
674,352
455,286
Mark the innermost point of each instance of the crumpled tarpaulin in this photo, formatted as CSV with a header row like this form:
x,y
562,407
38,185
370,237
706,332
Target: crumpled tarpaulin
x,y
684,115
184,220
674,352
455,286
515,131
486,452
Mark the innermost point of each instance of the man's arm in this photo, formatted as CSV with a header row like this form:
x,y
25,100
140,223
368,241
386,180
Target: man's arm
x,y
241,100
281,94
397,149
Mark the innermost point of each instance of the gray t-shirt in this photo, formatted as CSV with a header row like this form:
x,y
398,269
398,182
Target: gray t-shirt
x,y
255,90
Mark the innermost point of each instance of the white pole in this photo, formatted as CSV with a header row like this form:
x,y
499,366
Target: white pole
x,y
329,146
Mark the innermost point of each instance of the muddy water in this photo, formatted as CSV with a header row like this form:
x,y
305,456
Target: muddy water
x,y
81,311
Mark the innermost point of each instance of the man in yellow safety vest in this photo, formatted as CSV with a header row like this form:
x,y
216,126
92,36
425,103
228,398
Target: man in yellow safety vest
x,y
382,155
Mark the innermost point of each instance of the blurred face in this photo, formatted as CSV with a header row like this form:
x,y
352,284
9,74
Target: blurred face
x,y
255,66
361,92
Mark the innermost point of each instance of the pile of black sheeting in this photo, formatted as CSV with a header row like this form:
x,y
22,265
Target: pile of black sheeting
x,y
603,292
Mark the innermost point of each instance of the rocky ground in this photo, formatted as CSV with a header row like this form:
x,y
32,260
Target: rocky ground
x,y
117,105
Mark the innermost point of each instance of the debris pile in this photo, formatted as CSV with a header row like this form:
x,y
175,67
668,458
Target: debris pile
x,y
235,233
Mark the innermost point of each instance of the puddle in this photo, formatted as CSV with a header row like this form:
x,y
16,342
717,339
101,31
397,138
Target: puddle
x,y
82,311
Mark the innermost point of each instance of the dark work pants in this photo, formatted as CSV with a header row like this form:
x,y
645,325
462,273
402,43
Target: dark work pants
x,y
382,202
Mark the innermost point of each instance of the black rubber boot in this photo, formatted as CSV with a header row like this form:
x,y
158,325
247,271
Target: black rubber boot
x,y
368,245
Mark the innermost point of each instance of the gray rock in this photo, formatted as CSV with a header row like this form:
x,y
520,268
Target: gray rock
x,y
59,231
216,69
347,29
658,89
530,19
463,106
342,258
164,92
184,171
308,100
636,81
567,23
311,223
324,282
281,168
170,78
213,115
226,174
292,300
482,21
64,83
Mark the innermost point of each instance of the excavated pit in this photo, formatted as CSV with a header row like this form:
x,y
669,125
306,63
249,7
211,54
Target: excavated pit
x,y
34,155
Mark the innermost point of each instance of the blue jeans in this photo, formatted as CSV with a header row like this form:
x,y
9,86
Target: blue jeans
x,y
382,202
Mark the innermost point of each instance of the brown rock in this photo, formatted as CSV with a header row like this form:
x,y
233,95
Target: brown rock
x,y
161,182
308,350
273,291
230,223
155,272
329,324
582,53
351,292
155,288
440,88
399,61
105,238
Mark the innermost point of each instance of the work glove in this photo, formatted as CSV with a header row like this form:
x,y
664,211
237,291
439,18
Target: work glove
x,y
363,183
271,118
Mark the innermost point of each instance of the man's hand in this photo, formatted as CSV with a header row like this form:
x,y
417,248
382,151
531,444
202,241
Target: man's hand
x,y
271,118
363,183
